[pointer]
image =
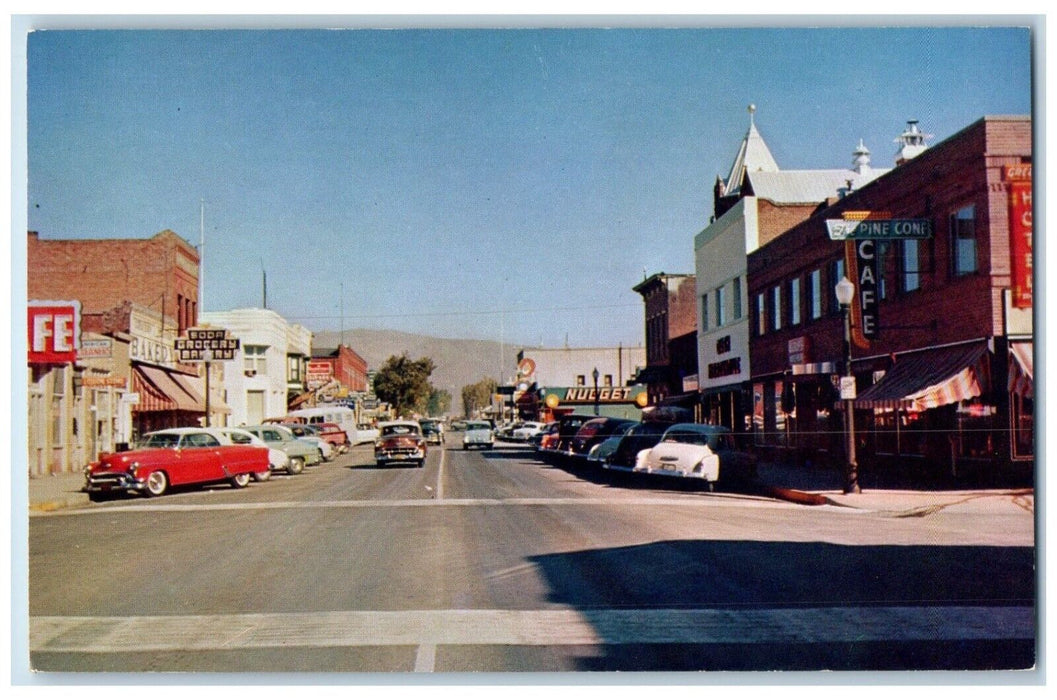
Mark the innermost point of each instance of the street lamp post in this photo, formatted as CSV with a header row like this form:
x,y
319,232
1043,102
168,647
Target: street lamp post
x,y
594,375
207,357
845,293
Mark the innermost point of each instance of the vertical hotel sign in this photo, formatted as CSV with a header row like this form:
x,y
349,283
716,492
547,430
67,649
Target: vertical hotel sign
x,y
1020,232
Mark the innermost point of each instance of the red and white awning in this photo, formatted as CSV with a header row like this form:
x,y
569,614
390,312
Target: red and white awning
x,y
931,378
1022,369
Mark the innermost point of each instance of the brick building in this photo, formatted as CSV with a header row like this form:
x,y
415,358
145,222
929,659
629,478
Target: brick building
x,y
942,324
753,205
135,297
670,305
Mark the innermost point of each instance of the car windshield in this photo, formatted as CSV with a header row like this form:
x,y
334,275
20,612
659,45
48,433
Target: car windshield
x,y
399,430
160,440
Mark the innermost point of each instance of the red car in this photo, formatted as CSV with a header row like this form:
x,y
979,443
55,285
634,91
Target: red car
x,y
400,441
174,457
335,435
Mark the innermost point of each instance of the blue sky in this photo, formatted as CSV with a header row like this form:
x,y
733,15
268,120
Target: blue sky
x,y
509,184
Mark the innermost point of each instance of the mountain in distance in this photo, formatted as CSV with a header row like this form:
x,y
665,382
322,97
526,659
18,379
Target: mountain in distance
x,y
459,362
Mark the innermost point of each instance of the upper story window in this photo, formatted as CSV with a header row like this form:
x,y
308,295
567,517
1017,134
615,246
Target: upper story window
x,y
963,241
776,307
293,369
607,380
836,274
581,379
814,291
736,298
254,358
761,313
704,312
794,301
721,303
910,266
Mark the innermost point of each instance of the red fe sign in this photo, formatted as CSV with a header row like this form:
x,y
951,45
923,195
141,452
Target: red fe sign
x,y
54,331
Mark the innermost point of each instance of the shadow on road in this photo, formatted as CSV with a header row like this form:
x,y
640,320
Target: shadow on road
x,y
748,575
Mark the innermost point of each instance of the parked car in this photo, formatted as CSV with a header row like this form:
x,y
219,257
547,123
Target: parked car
x,y
433,430
301,453
696,451
527,430
400,441
505,431
638,438
601,451
277,459
568,426
457,426
548,439
593,432
174,457
310,434
365,432
335,435
478,434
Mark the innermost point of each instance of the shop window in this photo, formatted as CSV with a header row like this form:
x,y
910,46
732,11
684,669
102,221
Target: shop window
x,y
736,294
758,434
963,241
794,301
1022,423
814,291
974,437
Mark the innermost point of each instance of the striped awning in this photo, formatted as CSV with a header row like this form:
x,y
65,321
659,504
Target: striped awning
x,y
163,389
1022,369
931,378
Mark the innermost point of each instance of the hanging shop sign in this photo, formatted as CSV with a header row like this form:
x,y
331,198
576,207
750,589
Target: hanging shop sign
x,y
216,341
54,331
879,229
866,260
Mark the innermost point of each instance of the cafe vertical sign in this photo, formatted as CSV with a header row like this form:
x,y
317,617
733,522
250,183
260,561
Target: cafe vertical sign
x,y
1018,178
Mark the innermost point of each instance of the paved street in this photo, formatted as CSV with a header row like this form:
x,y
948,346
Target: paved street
x,y
496,561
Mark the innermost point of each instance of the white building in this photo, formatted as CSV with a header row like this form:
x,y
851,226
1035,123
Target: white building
x,y
271,359
755,203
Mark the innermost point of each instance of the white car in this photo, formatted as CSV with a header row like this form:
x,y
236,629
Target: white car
x,y
696,451
478,434
277,459
365,432
528,430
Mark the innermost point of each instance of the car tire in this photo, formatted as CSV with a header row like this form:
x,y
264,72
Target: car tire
x,y
240,481
157,484
262,476
296,466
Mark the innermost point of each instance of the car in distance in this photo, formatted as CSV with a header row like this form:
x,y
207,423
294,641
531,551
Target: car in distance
x,y
478,434
277,459
174,457
310,434
400,441
601,451
301,453
696,451
433,430
527,430
366,432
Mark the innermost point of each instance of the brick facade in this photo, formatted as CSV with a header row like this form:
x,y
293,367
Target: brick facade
x,y
160,273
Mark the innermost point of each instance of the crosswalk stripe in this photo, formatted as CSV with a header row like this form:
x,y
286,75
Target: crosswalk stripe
x,y
549,627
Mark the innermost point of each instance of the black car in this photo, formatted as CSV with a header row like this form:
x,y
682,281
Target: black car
x,y
433,431
594,432
641,437
568,426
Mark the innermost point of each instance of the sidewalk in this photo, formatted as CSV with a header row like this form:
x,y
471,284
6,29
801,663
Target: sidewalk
x,y
807,486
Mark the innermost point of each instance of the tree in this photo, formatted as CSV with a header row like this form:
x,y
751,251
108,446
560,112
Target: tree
x,y
439,402
404,384
477,396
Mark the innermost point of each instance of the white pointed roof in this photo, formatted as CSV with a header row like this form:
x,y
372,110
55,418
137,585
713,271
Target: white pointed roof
x,y
753,156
